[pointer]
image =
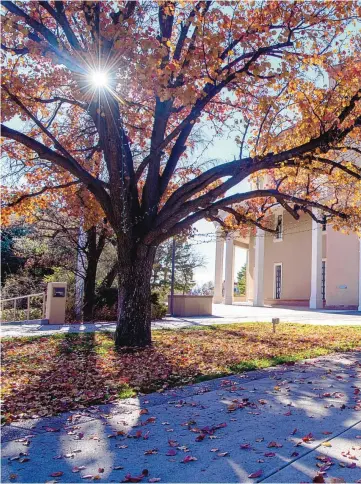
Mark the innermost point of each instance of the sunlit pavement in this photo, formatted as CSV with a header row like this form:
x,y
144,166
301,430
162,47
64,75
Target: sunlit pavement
x,y
222,314
283,424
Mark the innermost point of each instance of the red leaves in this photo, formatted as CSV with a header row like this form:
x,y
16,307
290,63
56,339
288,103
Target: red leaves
x,y
188,458
56,474
269,454
254,475
129,478
172,355
200,437
171,452
245,446
308,438
318,478
274,444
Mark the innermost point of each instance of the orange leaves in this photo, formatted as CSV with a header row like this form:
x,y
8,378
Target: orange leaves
x,y
49,372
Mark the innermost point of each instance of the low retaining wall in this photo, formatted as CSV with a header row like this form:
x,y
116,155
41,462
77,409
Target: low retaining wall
x,y
191,305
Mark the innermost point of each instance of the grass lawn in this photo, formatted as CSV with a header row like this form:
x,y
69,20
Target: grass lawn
x,y
45,375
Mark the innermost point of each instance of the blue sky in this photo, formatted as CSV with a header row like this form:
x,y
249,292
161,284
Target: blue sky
x,y
223,149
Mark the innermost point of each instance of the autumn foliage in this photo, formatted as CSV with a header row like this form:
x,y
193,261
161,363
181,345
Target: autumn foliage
x,y
77,370
281,78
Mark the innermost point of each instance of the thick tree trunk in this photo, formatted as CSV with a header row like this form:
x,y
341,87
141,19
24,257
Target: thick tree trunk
x,y
89,292
134,304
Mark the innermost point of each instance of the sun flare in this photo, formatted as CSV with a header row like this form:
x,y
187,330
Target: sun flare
x,y
99,79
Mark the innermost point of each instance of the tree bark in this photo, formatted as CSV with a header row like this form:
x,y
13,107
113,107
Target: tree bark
x,y
134,302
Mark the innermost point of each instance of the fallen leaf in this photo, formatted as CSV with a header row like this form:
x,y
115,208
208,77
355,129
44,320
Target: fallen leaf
x,y
188,458
151,452
274,444
318,478
56,474
254,475
223,454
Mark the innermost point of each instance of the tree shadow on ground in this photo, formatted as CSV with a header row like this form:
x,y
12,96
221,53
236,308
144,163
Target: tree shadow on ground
x,y
243,420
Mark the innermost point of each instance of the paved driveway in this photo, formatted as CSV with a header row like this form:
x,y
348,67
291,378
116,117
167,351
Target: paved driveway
x,y
282,425
222,314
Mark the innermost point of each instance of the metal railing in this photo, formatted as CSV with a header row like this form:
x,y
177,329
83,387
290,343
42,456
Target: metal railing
x,y
16,307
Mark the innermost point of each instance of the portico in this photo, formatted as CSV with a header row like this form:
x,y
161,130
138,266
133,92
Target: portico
x,y
304,264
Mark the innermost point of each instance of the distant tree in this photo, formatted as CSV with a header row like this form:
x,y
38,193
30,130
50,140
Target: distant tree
x,y
205,289
186,261
241,279
11,262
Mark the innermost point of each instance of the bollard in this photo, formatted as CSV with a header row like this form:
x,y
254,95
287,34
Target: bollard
x,y
274,322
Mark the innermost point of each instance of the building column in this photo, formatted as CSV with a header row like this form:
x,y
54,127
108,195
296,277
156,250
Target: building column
x,y
359,277
258,287
218,273
229,271
316,267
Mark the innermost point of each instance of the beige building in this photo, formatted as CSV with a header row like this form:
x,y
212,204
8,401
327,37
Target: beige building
x,y
305,264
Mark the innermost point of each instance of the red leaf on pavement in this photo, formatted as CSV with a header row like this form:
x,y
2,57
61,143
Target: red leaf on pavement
x,y
56,474
245,446
171,452
254,475
308,438
188,458
269,454
318,478
274,444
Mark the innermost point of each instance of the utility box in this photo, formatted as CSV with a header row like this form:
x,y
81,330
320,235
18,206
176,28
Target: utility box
x,y
56,302
189,305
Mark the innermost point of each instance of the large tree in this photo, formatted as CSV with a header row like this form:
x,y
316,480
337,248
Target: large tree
x,y
117,95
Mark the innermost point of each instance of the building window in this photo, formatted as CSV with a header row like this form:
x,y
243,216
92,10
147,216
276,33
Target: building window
x,y
279,228
278,281
323,280
324,223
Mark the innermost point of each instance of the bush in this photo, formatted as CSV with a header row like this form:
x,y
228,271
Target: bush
x,y
158,311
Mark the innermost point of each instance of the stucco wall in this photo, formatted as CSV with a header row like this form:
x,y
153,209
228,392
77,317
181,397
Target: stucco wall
x,y
294,252
342,269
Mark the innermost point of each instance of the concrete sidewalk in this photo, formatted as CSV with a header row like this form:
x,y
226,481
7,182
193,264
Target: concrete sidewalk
x,y
283,424
222,314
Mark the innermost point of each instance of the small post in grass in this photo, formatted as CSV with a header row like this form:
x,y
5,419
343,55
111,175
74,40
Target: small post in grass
x,y
274,322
